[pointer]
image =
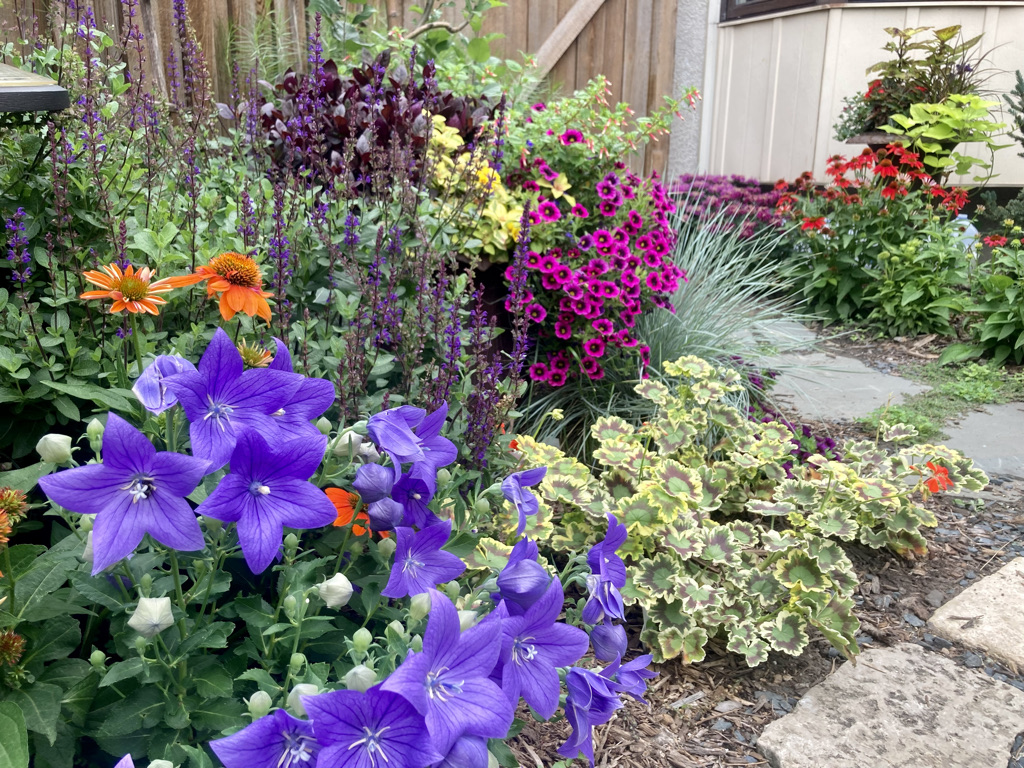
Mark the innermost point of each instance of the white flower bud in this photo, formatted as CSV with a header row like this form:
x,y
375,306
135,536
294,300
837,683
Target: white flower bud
x,y
466,620
295,697
161,764
443,476
360,678
259,704
87,552
361,640
336,591
324,425
347,445
152,616
94,431
55,449
369,453
419,607
386,547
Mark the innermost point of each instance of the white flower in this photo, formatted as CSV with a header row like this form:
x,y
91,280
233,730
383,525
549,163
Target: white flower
x,y
295,697
259,704
336,591
467,619
347,444
55,449
152,616
161,764
87,552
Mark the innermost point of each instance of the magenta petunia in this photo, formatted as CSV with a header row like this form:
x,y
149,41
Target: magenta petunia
x,y
653,281
556,378
538,372
579,211
531,186
603,326
594,347
607,208
572,136
536,313
606,189
549,211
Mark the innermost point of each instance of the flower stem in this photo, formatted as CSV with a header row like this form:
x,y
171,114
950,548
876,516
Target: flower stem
x,y
170,438
9,570
176,573
135,339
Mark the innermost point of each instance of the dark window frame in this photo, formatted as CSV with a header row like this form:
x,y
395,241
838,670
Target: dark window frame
x,y
731,10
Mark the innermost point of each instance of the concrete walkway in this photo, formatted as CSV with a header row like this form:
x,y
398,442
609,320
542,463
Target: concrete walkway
x,y
911,707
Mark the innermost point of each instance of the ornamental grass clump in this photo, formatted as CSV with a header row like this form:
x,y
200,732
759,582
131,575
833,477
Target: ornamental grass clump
x,y
722,541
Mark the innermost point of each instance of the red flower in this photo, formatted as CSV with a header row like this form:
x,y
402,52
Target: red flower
x,y
939,481
994,241
892,191
886,169
813,224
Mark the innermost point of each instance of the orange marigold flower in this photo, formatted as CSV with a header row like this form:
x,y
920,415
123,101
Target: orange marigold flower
x,y
239,281
939,481
132,291
345,503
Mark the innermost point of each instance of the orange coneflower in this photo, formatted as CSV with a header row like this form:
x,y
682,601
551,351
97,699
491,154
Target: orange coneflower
x,y
253,356
132,291
238,280
345,502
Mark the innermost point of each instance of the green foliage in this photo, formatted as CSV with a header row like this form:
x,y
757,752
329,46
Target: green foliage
x,y
1015,105
999,307
721,543
935,129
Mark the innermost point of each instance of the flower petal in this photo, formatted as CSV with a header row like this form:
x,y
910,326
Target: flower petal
x,y
126,449
87,490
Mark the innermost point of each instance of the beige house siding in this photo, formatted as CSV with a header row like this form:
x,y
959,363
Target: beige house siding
x,y
779,81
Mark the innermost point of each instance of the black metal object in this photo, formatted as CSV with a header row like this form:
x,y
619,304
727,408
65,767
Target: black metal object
x,y
22,91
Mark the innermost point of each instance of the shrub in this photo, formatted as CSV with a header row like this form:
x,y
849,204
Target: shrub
x,y
721,543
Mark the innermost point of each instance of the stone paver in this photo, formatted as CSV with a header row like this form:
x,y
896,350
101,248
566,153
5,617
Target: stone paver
x,y
988,615
827,387
901,707
993,438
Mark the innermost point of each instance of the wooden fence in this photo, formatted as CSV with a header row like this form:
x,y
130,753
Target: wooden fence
x,y
631,42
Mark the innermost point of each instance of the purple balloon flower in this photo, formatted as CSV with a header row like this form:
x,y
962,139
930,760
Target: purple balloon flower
x,y
373,482
632,676
592,700
135,491
221,400
523,580
125,762
311,399
385,515
467,752
533,646
376,729
150,389
448,681
609,641
277,740
413,491
409,434
268,489
603,560
420,563
514,488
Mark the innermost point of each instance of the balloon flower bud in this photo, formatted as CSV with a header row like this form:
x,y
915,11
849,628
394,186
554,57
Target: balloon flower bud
x,y
443,476
290,604
452,589
146,584
482,506
140,645
361,640
94,431
347,444
523,583
360,678
55,449
296,662
416,644
397,627
336,591
609,641
386,547
98,659
259,704
160,764
295,697
324,425
87,552
212,524
291,544
467,619
419,607
152,616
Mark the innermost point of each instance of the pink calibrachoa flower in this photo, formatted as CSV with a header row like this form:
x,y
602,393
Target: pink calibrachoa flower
x,y
538,372
579,211
549,211
607,208
603,326
572,136
556,378
536,313
594,347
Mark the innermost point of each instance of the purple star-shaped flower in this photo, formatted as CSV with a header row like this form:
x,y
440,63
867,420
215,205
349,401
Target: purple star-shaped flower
x,y
414,491
409,434
310,400
277,740
135,491
514,488
150,388
376,729
609,641
373,482
420,563
602,558
448,681
268,489
467,752
221,400
523,580
533,646
632,676
592,700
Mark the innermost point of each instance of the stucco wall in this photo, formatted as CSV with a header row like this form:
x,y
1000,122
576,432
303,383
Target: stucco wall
x,y
695,31
779,81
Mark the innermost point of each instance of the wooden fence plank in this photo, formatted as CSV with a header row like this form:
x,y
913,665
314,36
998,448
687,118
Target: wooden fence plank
x,y
590,48
563,74
614,47
660,79
568,29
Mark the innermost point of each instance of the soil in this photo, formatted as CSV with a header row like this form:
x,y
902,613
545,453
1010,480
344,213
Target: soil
x,y
710,714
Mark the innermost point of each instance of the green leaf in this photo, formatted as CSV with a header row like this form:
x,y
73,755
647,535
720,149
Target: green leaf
x,y
106,397
53,639
787,633
13,737
479,50
123,670
40,704
39,583
66,407
213,682
25,479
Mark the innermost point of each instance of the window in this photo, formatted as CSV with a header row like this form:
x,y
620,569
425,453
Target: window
x,y
742,9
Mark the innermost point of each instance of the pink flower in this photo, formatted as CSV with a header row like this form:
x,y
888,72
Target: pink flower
x,y
532,259
620,236
531,186
538,372
562,274
652,260
536,313
538,107
579,211
607,208
606,190
572,136
654,282
556,378
603,326
550,282
593,347
563,331
549,211
547,263
560,363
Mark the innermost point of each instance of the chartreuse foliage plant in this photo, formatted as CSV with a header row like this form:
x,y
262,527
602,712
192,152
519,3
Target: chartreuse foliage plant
x,y
722,544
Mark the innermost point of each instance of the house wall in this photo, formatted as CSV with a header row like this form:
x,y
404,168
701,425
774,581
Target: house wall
x,y
779,81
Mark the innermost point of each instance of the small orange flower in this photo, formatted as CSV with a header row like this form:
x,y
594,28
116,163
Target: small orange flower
x,y
239,282
345,502
939,481
513,445
253,356
132,291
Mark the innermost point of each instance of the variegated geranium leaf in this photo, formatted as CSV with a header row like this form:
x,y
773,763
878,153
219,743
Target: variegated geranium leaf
x,y
798,570
788,633
639,513
688,645
745,533
689,366
657,577
898,433
674,434
773,431
798,492
614,453
563,488
697,597
872,538
652,390
726,417
779,541
864,452
833,522
679,481
611,428
754,650
765,587
489,554
875,489
770,508
685,542
837,622
828,555
906,543
670,613
720,546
